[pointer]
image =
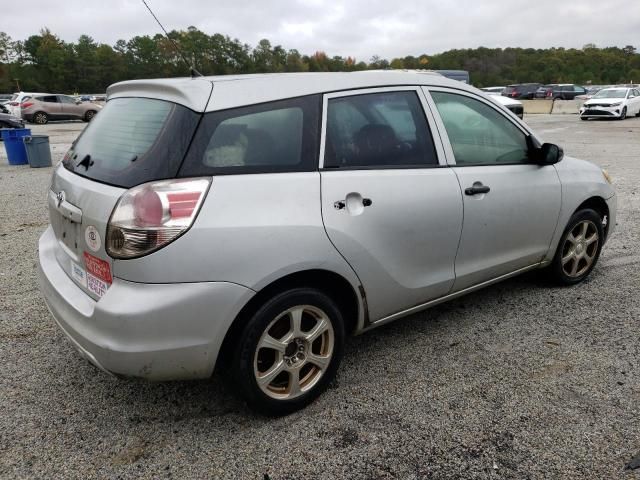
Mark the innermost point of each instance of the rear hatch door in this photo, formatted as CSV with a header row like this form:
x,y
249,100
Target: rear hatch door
x,y
132,140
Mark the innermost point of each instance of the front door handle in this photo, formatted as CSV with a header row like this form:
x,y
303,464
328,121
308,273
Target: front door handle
x,y
476,189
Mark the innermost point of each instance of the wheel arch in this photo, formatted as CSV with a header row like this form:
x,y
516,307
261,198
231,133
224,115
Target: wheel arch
x,y
599,205
349,300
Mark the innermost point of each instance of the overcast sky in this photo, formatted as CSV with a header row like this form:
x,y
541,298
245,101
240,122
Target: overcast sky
x,y
360,28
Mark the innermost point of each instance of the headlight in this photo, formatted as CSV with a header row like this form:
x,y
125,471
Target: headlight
x,y
606,176
617,104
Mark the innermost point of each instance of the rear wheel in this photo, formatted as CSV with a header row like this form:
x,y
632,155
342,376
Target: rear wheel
x,y
579,248
289,351
40,118
584,118
89,115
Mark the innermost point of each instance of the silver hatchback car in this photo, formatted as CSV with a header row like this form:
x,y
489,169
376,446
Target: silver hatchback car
x,y
249,223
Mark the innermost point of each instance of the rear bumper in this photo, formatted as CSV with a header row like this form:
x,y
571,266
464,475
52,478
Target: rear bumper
x,y
152,331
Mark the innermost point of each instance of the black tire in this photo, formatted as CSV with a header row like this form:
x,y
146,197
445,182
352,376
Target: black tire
x,y
88,116
557,269
584,118
40,118
623,115
246,356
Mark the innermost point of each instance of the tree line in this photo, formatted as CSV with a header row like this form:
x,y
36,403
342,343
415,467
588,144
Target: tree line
x,y
44,62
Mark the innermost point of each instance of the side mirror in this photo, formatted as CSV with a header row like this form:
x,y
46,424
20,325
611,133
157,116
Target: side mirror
x,y
549,154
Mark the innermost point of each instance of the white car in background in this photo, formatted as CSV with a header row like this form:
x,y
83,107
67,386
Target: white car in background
x,y
493,90
13,105
617,102
514,105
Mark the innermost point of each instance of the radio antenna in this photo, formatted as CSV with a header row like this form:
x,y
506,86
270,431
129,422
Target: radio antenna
x,y
194,72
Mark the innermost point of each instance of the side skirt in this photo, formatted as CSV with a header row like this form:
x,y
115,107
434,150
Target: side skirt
x,y
451,296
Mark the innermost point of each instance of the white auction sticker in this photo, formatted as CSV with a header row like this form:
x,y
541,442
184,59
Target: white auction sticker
x,y
78,273
92,237
97,286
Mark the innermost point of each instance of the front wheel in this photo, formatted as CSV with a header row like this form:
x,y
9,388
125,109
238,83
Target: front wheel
x,y
579,248
623,115
89,115
289,351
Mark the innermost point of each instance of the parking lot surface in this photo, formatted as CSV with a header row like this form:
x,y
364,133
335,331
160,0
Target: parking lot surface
x,y
519,380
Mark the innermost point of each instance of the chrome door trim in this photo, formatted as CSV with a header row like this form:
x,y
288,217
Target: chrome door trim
x,y
451,296
430,118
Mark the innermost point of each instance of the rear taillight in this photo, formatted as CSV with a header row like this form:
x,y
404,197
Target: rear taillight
x,y
150,216
26,104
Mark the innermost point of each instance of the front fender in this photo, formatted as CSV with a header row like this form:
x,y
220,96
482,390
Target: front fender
x,y
580,181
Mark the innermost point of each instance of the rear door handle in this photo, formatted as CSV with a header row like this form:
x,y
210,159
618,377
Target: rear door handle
x,y
476,189
340,204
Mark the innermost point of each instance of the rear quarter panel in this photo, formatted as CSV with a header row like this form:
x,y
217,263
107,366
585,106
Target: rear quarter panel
x,y
251,230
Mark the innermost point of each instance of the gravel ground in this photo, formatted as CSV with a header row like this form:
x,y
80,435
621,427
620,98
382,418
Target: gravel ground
x,y
517,381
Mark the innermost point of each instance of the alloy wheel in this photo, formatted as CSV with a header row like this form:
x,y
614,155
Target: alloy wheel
x,y
580,249
294,352
40,118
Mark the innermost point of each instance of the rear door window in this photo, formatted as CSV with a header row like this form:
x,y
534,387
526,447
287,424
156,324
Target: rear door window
x,y
378,130
273,137
132,141
48,99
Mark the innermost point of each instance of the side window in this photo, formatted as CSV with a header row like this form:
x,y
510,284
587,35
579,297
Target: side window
x,y
378,130
578,89
274,137
265,138
48,99
65,99
479,135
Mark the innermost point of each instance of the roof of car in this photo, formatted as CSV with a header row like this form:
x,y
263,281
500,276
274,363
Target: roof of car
x,y
239,90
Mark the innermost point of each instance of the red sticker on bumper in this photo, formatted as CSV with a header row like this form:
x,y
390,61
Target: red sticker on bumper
x,y
97,267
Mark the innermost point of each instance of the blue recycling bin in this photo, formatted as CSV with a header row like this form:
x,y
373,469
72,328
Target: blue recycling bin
x,y
14,146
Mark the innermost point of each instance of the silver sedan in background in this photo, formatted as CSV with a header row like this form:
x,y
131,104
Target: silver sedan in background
x,y
251,226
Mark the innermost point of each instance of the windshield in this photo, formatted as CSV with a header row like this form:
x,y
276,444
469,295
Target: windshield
x,y
611,93
133,141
